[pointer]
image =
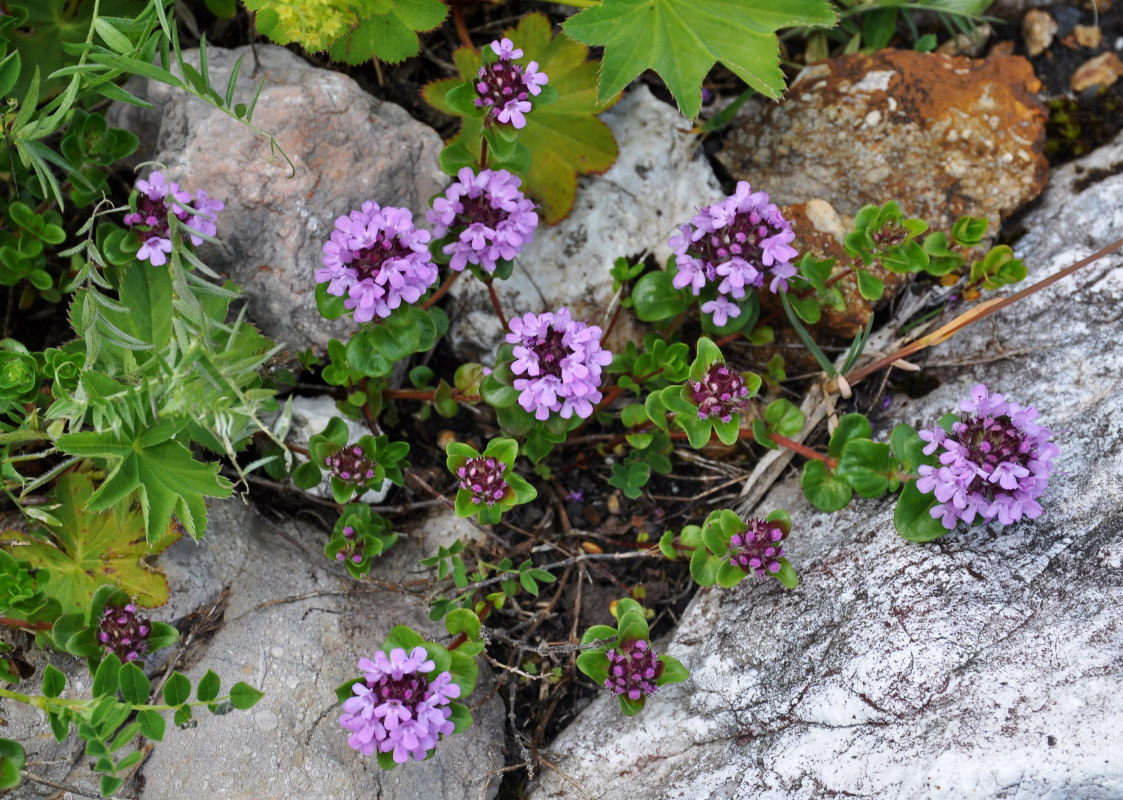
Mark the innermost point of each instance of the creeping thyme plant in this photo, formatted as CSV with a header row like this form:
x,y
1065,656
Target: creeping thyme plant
x,y
163,394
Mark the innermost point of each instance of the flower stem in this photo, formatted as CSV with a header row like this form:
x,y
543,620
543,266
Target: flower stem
x,y
803,450
495,303
461,26
451,279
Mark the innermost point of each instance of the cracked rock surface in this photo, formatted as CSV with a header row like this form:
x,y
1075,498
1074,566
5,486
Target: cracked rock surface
x,y
983,665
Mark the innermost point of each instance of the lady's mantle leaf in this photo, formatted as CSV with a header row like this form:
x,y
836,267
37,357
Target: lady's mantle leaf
x,y
90,549
681,40
166,478
565,137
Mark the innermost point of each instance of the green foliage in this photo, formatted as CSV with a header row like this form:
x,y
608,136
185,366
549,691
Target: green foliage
x,y
709,549
154,470
89,548
386,459
631,627
871,26
358,536
352,31
561,140
660,364
651,453
681,40
781,417
515,491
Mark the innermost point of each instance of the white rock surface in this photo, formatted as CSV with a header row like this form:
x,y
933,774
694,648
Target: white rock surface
x,y
985,665
656,184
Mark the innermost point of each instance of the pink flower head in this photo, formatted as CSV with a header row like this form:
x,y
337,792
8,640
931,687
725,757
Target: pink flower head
x,y
377,259
995,463
398,707
490,216
157,201
562,361
735,244
504,87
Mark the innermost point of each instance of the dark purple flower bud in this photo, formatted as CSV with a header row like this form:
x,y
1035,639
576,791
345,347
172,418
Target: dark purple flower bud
x,y
721,393
483,477
124,632
757,548
632,670
350,465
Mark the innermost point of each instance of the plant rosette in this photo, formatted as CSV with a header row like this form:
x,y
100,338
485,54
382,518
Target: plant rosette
x,y
20,375
359,535
488,482
355,467
94,634
402,704
625,662
727,549
711,401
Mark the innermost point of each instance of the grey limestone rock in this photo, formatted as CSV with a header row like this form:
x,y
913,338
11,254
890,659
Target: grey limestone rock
x,y
984,665
347,147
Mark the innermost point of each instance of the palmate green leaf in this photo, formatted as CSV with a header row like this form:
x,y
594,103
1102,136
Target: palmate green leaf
x,y
391,36
681,40
162,473
565,138
89,549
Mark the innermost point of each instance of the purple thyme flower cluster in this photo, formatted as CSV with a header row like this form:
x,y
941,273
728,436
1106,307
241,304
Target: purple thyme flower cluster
x,y
397,707
377,258
483,477
124,632
505,88
995,462
493,218
733,243
562,361
632,670
159,199
721,393
350,465
757,548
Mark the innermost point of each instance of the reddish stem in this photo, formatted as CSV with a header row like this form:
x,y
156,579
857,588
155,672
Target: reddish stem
x,y
803,450
461,26
451,279
495,303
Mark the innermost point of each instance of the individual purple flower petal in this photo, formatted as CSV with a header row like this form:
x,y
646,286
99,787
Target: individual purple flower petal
x,y
504,87
995,463
722,309
489,214
206,211
377,259
153,251
505,49
735,243
562,360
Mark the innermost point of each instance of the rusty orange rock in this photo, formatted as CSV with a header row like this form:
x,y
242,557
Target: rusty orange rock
x,y
944,136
